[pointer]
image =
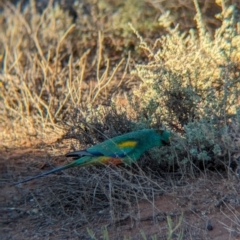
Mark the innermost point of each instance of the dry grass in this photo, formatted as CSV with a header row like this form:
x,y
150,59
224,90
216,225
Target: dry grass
x,y
51,69
192,75
77,79
124,200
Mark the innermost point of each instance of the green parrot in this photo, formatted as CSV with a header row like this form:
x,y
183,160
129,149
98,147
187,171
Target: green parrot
x,y
126,148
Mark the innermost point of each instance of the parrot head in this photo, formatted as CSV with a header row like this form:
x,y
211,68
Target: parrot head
x,y
165,137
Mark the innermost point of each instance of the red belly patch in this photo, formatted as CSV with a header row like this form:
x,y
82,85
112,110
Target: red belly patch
x,y
111,161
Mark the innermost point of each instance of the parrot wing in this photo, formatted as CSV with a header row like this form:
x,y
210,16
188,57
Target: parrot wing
x,y
80,153
109,148
118,148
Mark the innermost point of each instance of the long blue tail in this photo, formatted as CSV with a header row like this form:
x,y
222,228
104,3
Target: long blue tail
x,y
72,164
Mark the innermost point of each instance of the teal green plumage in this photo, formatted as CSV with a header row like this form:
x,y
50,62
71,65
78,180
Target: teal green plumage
x,y
126,148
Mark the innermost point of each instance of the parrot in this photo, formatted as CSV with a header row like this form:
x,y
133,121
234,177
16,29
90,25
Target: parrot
x,y
123,149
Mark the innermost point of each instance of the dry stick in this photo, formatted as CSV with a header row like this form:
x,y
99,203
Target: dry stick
x,y
62,105
97,89
27,97
82,59
35,39
20,16
47,108
7,100
45,77
69,91
60,42
108,81
75,91
15,62
236,219
33,100
70,80
142,192
102,82
5,60
125,69
11,109
56,61
99,58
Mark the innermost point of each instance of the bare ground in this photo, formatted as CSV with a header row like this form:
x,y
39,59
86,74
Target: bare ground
x,y
209,204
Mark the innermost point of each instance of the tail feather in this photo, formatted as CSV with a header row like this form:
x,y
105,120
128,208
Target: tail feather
x,y
80,161
47,173
78,154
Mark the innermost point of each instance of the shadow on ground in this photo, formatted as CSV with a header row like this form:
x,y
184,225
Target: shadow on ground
x,y
56,207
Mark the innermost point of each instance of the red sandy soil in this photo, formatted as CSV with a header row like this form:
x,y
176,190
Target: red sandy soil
x,y
210,205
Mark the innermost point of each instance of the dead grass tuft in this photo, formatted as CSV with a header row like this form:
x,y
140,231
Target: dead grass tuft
x,y
84,80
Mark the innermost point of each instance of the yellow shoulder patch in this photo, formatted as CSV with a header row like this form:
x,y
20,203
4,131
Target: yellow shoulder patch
x,y
127,144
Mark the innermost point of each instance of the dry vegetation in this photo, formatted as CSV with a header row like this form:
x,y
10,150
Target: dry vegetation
x,y
68,82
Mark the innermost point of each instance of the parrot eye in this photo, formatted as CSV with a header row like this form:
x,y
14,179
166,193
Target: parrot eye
x,y
166,142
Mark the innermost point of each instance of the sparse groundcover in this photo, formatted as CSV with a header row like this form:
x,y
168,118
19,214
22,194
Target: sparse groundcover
x,y
72,82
